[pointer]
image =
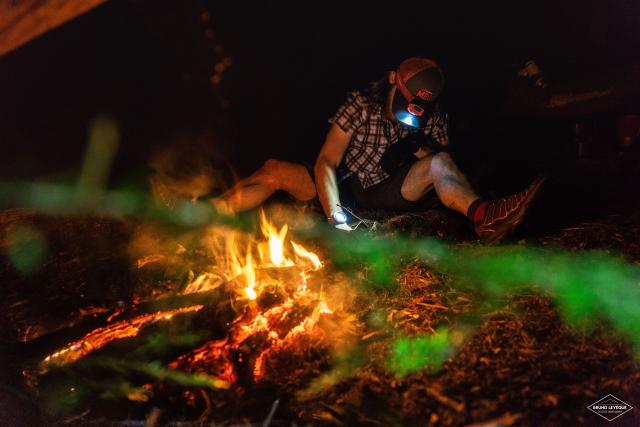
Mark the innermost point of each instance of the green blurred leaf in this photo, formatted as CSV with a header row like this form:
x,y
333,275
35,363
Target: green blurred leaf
x,y
26,248
412,354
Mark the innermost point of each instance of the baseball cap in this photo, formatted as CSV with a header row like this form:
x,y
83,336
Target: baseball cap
x,y
419,82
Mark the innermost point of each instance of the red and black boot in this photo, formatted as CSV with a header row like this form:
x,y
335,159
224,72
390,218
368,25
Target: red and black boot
x,y
495,220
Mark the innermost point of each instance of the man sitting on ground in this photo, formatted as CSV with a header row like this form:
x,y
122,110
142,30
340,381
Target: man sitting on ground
x,y
387,145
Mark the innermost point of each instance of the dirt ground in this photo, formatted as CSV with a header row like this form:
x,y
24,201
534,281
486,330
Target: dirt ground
x,y
520,365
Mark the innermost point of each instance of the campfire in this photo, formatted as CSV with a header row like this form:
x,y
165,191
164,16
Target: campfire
x,y
278,296
276,289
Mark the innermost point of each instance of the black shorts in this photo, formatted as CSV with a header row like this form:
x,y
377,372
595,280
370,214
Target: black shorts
x,y
387,195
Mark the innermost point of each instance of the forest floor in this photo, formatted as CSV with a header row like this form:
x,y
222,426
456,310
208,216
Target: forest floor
x,y
519,363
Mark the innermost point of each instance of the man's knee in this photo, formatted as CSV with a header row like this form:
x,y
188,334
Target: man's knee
x,y
271,166
442,163
270,173
417,182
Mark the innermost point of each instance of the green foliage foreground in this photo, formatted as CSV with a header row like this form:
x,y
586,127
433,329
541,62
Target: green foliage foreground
x,y
587,286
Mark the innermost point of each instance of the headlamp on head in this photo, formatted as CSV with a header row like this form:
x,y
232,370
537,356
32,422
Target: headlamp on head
x,y
408,119
419,82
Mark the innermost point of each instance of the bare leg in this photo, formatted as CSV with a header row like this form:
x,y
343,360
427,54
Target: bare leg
x,y
274,175
439,172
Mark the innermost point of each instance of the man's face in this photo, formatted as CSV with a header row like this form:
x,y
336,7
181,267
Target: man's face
x,y
406,113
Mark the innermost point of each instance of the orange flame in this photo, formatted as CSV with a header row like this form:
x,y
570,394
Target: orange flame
x,y
248,268
305,254
243,266
249,271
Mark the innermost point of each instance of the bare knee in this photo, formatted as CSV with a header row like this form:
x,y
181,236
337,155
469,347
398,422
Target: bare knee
x,y
417,182
271,166
290,177
442,164
269,174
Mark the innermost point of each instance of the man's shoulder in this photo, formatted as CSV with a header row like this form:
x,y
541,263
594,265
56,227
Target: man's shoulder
x,y
356,106
362,101
358,97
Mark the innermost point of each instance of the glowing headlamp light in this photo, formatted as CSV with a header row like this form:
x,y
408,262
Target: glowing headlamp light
x,y
408,119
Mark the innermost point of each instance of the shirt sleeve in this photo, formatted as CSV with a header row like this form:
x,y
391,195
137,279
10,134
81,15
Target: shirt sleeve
x,y
350,115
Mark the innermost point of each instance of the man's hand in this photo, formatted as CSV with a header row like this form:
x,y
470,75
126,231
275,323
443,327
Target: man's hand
x,y
423,152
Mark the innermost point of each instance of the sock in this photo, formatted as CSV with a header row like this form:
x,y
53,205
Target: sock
x,y
476,210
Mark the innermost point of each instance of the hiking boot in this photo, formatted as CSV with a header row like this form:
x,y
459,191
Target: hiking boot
x,y
501,216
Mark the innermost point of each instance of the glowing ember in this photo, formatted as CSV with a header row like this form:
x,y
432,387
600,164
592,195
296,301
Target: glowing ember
x,y
276,329
100,337
149,259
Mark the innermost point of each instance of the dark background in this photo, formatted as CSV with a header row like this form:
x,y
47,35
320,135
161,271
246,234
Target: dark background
x,y
149,64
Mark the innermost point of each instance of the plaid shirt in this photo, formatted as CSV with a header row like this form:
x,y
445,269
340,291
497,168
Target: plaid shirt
x,y
372,133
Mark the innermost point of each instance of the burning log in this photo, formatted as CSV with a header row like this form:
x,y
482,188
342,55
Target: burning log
x,y
102,336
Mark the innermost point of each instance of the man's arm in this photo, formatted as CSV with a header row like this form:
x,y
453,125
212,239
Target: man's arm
x,y
328,160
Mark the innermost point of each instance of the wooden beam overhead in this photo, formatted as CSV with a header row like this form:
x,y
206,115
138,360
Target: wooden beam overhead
x,y
24,20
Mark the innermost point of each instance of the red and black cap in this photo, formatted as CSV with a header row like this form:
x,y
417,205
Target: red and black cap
x,y
419,82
